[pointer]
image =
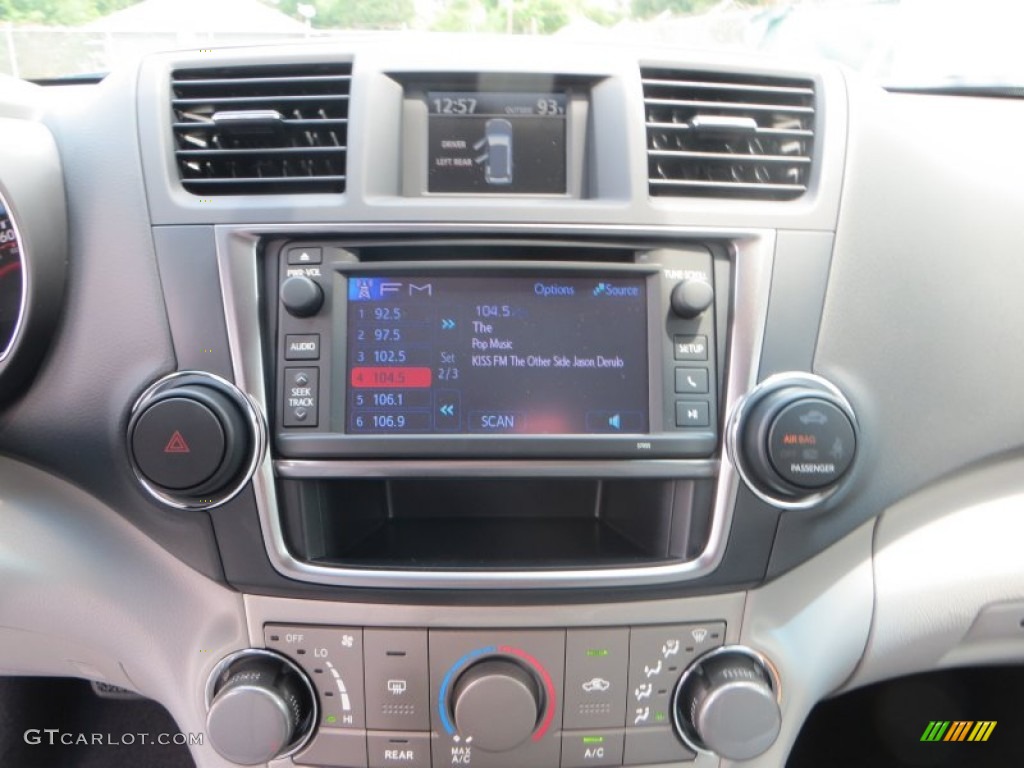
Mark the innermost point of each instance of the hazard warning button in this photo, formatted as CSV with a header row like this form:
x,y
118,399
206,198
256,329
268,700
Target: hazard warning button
x,y
179,443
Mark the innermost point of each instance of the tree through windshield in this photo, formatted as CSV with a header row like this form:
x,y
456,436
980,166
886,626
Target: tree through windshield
x,y
893,41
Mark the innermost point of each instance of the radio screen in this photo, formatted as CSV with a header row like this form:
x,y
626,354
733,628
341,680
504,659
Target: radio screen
x,y
497,355
496,142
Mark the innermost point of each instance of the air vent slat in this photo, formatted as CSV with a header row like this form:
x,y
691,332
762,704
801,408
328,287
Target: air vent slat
x,y
231,82
727,135
741,106
228,153
261,129
794,133
728,158
316,98
207,124
698,86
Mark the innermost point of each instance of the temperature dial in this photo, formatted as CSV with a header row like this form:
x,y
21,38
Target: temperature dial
x,y
498,702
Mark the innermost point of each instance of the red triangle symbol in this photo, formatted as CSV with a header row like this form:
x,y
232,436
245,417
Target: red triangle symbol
x,y
177,444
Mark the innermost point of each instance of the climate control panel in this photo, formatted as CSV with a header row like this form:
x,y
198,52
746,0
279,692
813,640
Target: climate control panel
x,y
425,698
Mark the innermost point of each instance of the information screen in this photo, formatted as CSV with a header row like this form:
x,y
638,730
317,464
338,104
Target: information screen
x,y
497,355
496,142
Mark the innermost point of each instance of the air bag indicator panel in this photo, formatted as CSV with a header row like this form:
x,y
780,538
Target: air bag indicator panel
x,y
496,142
497,355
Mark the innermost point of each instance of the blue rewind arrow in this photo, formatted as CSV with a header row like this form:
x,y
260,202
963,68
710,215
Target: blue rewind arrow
x,y
447,410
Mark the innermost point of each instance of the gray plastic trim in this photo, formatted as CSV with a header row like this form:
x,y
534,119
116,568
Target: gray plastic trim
x,y
654,468
238,262
813,624
253,416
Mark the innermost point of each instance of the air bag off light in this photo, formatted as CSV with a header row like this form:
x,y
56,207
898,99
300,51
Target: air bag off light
x,y
391,378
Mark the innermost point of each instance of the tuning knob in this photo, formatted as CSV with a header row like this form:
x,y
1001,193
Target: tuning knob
x,y
301,296
260,706
692,296
194,439
727,703
498,702
793,439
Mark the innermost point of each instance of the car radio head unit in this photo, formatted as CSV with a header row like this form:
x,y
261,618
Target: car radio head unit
x,y
498,358
489,354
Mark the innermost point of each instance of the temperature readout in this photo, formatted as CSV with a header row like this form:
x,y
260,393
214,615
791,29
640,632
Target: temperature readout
x,y
519,355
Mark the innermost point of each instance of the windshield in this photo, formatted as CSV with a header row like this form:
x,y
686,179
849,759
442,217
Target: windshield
x,y
904,43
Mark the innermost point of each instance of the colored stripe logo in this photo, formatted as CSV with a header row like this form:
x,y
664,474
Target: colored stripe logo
x,y
958,730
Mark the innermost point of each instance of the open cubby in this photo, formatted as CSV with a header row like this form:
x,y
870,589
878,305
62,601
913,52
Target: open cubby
x,y
481,523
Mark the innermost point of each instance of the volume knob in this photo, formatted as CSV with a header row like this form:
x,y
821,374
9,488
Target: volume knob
x,y
301,296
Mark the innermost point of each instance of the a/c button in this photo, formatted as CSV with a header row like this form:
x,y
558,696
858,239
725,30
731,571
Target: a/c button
x,y
581,749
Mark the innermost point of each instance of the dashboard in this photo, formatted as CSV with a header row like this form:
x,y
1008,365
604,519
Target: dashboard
x,y
516,405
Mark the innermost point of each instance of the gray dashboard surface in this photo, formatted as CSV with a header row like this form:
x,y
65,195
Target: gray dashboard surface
x,y
922,320
112,339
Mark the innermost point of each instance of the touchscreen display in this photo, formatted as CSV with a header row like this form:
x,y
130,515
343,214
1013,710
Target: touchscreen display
x,y
496,142
497,355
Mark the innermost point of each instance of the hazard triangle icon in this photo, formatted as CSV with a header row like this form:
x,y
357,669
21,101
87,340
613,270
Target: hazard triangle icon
x,y
176,444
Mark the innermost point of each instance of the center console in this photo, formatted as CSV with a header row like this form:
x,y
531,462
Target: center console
x,y
501,437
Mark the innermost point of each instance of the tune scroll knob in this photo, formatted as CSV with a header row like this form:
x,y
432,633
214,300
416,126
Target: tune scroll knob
x,y
301,296
691,297
727,703
497,702
260,706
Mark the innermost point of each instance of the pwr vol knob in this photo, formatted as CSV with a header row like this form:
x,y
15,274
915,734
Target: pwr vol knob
x,y
793,439
194,440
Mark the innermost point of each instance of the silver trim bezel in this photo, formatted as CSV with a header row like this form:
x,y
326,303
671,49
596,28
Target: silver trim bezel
x,y
752,253
735,423
26,277
253,416
682,729
314,697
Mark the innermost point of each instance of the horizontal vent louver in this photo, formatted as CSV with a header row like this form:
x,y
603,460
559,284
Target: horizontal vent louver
x,y
261,130
728,136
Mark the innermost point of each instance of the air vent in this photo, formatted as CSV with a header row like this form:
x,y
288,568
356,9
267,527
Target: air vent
x,y
717,135
261,130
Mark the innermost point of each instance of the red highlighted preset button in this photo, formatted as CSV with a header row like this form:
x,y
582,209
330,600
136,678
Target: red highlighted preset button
x,y
391,378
